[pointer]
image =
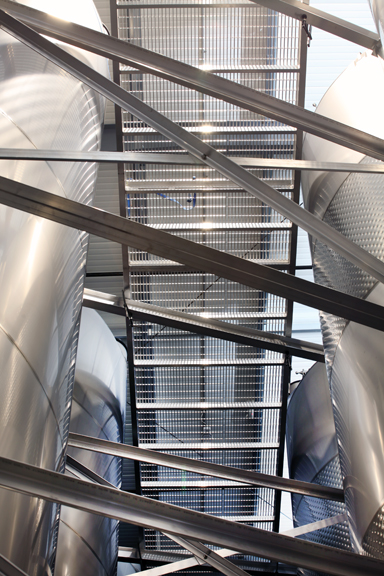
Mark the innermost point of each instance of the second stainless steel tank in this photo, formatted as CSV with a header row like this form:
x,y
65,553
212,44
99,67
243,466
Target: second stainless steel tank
x,y
87,543
313,457
354,204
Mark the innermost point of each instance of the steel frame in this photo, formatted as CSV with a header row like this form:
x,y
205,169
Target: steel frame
x,y
199,80
327,22
224,330
193,525
9,569
199,257
184,159
207,555
206,468
304,219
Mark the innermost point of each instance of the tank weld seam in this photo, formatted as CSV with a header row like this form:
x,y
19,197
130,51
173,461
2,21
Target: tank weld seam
x,y
87,545
34,146
36,376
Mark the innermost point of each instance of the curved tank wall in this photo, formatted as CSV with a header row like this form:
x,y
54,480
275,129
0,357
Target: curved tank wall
x,y
354,204
313,457
41,277
87,543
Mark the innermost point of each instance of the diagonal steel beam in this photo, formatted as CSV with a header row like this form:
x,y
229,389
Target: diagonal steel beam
x,y
324,21
301,217
199,80
181,564
206,468
199,325
224,330
141,511
307,528
209,556
9,569
197,256
196,548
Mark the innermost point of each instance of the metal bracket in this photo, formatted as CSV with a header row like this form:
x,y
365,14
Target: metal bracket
x,y
307,29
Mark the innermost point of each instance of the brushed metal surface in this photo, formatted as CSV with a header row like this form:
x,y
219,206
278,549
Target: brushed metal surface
x,y
310,427
87,543
355,107
313,457
41,276
354,357
211,157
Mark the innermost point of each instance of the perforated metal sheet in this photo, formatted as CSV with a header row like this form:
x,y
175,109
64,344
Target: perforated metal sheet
x,y
362,227
307,510
373,542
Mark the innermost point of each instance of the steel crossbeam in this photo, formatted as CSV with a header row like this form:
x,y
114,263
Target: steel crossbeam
x,y
9,569
199,80
209,556
189,524
199,325
301,217
206,468
325,21
197,256
184,159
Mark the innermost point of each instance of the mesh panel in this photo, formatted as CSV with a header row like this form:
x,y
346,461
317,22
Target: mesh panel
x,y
199,397
373,541
362,227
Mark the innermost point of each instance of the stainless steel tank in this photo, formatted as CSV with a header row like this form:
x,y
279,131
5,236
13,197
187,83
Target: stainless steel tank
x,y
354,204
41,276
87,543
313,457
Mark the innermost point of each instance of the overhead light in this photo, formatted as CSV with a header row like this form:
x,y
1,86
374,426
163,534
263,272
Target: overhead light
x,y
206,128
206,225
206,67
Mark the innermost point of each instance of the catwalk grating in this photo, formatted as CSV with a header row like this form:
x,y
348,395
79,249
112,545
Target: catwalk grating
x,y
197,396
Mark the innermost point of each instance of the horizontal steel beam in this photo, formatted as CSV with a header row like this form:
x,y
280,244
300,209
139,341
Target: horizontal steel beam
x,y
206,468
129,233
241,177
199,325
193,525
324,21
224,330
10,569
184,159
199,80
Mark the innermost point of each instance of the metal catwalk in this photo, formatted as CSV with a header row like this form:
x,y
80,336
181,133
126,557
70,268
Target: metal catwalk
x,y
197,396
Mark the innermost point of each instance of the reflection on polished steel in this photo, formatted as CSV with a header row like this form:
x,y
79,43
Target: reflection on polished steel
x,y
41,275
324,21
88,544
377,9
158,515
238,175
354,204
201,467
313,457
192,254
